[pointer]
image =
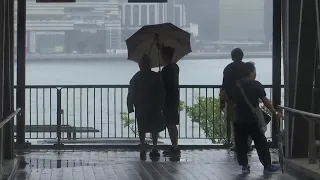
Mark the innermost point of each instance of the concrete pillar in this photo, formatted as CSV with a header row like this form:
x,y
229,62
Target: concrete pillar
x,y
8,80
184,16
21,70
276,65
131,14
2,39
140,9
156,13
123,14
148,13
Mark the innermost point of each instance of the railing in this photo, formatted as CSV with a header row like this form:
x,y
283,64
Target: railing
x,y
312,120
99,111
2,123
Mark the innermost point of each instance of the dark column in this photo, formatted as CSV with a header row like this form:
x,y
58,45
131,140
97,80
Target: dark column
x,y
291,22
276,64
21,69
316,90
304,74
8,80
2,14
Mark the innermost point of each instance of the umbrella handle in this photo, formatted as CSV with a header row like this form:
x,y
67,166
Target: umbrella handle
x,y
154,42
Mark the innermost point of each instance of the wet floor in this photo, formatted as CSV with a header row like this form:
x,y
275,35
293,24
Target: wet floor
x,y
125,165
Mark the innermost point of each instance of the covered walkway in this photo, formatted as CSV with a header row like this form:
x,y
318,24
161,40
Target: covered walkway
x,y
301,41
125,165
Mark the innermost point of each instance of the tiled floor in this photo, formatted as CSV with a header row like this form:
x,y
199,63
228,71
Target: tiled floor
x,y
125,165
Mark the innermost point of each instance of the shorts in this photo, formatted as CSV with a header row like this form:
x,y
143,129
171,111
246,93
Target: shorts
x,y
171,115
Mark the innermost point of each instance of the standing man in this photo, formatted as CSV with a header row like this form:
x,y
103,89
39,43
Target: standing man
x,y
229,92
170,78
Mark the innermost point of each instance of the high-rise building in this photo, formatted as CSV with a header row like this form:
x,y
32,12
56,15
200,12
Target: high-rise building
x,y
205,13
136,15
139,14
241,20
268,18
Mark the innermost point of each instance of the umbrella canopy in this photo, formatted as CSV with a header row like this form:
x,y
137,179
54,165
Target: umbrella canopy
x,y
144,42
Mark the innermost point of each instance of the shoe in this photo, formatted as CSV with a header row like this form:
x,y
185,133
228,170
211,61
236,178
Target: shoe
x,y
167,152
154,153
172,152
246,169
143,155
233,148
271,169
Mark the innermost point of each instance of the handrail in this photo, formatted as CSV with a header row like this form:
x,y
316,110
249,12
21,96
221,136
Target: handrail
x,y
7,119
300,112
123,86
312,119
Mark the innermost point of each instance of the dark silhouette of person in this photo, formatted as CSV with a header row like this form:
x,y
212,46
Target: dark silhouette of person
x,y
229,91
170,78
146,97
247,123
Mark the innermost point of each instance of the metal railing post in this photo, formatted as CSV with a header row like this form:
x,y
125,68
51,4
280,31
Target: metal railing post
x,y
312,142
59,115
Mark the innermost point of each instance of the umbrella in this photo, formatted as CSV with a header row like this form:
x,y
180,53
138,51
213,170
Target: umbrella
x,y
167,34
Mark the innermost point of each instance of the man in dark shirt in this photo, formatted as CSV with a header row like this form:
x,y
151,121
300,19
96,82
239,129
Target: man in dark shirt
x,y
231,73
170,77
247,123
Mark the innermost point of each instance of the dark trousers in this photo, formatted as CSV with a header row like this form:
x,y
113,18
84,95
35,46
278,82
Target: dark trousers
x,y
242,132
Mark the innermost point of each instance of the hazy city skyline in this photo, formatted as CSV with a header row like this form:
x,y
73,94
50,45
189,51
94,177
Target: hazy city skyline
x,y
99,26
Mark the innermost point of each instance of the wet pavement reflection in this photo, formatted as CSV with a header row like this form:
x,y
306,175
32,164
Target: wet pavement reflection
x,y
126,165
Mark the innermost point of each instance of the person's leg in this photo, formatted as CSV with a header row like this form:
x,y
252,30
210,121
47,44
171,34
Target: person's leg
x,y
142,137
154,152
172,120
241,137
261,143
231,118
173,133
155,140
250,143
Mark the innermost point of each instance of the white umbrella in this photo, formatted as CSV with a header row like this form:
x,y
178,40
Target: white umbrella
x,y
144,42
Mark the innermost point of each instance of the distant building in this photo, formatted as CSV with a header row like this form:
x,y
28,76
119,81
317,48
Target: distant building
x,y
241,20
205,13
92,26
135,15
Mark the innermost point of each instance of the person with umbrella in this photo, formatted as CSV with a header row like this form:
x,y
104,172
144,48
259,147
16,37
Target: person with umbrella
x,y
166,44
146,97
170,77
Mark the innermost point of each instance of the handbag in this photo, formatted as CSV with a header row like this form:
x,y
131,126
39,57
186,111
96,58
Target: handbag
x,y
257,112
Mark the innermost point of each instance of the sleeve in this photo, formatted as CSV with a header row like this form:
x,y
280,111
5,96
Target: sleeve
x,y
130,96
224,79
175,84
260,90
